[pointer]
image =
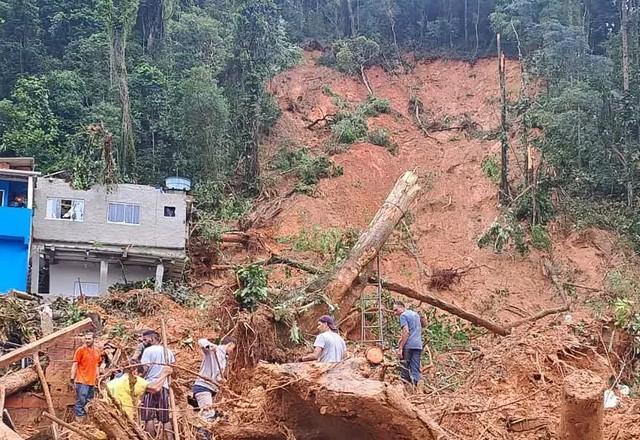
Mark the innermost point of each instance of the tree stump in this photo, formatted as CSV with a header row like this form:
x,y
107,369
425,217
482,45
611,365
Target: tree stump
x,y
375,355
582,407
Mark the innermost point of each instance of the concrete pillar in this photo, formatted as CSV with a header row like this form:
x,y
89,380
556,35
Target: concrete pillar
x,y
30,185
159,276
104,273
35,269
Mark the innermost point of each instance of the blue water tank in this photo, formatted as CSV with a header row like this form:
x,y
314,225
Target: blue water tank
x,y
177,183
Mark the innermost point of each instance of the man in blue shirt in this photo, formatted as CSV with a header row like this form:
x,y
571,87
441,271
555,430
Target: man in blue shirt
x,y
410,343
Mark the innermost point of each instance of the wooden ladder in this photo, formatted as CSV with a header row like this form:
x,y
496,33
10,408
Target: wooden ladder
x,y
371,312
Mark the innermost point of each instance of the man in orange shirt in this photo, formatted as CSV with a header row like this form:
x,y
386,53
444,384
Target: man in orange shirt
x,y
84,373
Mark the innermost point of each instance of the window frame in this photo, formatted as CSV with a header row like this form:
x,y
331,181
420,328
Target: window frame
x,y
124,222
76,288
71,199
2,192
164,211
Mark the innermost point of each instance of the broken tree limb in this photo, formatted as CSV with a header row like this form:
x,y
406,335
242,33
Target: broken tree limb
x,y
47,393
70,427
32,347
279,259
443,305
338,285
537,316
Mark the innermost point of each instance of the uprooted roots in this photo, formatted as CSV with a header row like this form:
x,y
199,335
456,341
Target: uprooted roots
x,y
257,339
443,278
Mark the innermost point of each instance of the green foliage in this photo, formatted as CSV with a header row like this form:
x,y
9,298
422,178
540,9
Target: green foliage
x,y
332,244
349,127
68,311
540,238
444,333
212,197
523,206
623,288
491,168
253,286
309,168
503,232
374,106
28,127
354,54
382,138
185,296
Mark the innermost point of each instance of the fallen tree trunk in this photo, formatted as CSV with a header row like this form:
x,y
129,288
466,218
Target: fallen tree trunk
x,y
314,400
443,305
537,316
19,380
339,284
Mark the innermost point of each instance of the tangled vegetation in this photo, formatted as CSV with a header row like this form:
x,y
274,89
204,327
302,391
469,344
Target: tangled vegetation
x,y
253,286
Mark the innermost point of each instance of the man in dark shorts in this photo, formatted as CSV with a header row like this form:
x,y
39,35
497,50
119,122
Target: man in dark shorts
x,y
155,406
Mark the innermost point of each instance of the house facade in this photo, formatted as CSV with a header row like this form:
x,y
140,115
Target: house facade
x,y
17,178
87,240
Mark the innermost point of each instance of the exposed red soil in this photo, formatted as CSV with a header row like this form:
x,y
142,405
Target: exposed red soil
x,y
497,387
458,204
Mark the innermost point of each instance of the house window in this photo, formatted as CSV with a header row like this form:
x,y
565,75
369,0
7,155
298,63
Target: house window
x,y
65,209
86,289
1,197
169,211
124,213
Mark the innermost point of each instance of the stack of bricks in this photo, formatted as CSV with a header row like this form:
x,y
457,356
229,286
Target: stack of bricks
x,y
26,408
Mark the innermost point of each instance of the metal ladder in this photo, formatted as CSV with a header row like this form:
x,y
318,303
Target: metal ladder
x,y
371,307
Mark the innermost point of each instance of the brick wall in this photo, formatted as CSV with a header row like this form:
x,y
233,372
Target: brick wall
x,y
26,408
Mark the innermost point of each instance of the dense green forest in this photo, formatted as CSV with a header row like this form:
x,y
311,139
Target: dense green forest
x,y
178,86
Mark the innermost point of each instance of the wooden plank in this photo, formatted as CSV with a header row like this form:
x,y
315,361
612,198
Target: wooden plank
x,y
172,397
47,393
26,350
7,433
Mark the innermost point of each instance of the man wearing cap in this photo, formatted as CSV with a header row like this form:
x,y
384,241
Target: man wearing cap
x,y
328,346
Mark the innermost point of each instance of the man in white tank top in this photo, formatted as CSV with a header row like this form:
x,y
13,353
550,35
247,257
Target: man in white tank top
x,y
328,346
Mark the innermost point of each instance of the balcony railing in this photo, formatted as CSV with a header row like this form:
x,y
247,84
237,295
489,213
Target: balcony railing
x,y
15,223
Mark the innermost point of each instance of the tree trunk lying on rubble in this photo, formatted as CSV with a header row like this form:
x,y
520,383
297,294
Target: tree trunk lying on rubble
x,y
112,422
339,284
322,401
19,380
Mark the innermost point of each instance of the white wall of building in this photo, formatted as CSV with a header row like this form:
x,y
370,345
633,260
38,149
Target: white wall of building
x,y
64,275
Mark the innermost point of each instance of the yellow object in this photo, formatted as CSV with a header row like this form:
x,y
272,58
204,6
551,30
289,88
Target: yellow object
x,y
119,389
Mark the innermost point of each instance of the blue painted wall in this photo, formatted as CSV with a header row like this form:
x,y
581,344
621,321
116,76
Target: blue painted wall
x,y
15,234
13,265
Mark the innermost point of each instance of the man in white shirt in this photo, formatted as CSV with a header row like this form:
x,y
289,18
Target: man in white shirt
x,y
155,406
212,367
328,346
